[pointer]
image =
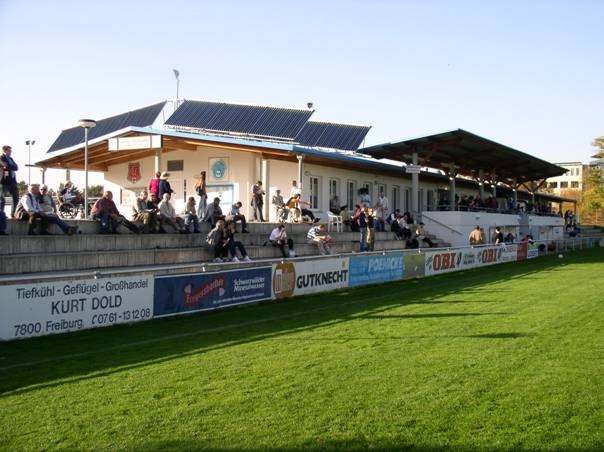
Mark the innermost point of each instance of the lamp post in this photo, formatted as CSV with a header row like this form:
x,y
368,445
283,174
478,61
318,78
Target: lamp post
x,y
86,124
177,75
29,144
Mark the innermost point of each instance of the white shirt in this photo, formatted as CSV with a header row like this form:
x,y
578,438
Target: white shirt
x,y
295,191
166,209
276,235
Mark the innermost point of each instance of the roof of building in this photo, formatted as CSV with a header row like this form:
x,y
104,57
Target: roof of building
x,y
330,135
468,154
142,117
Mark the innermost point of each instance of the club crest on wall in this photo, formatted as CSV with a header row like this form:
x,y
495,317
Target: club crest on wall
x,y
134,172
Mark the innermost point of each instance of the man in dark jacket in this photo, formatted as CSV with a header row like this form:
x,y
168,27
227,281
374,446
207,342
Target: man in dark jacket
x,y
9,180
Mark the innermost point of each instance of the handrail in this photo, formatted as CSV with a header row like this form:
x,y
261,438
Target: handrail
x,y
441,224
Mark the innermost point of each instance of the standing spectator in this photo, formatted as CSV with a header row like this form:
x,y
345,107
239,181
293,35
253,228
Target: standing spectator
x,y
9,180
380,213
370,230
258,201
302,211
476,237
235,245
498,236
214,213
3,223
191,215
106,211
365,197
141,212
167,215
164,186
279,238
295,190
202,191
420,232
154,185
280,207
362,222
235,215
316,234
47,204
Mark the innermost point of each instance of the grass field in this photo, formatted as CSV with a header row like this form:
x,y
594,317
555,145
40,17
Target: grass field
x,y
509,357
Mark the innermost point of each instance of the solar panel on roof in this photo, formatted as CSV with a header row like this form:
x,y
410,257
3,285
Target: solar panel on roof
x,y
330,135
283,123
143,117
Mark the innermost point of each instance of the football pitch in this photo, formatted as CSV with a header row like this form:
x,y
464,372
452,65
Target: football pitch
x,y
509,357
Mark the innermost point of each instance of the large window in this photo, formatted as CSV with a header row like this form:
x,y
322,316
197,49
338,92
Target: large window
x,y
351,193
564,184
314,192
574,184
369,187
552,185
395,198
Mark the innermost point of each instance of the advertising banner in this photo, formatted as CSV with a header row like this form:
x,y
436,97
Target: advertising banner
x,y
202,291
438,262
375,268
29,310
414,265
299,278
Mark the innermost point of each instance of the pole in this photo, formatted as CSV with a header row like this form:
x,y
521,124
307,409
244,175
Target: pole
x,y
86,172
29,163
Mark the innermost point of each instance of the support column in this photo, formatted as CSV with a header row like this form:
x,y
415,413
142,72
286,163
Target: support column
x,y
157,160
481,184
452,175
300,168
414,187
43,171
265,183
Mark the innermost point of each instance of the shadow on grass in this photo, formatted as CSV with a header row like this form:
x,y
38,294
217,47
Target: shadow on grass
x,y
39,362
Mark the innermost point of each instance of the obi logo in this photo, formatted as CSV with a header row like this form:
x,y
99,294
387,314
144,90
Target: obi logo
x,y
490,255
284,280
445,261
195,297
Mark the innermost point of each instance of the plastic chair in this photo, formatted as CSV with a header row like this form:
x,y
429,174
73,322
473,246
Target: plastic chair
x,y
334,220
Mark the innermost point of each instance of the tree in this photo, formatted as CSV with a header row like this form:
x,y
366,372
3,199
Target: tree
x,y
599,143
593,196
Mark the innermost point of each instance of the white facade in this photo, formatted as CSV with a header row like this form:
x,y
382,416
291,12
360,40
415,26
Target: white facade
x,y
572,179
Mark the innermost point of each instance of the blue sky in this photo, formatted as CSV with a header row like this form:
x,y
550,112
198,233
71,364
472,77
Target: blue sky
x,y
525,74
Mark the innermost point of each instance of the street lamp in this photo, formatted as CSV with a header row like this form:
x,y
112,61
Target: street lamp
x,y
86,124
29,144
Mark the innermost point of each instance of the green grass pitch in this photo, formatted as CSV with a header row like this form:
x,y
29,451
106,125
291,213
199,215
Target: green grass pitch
x,y
509,357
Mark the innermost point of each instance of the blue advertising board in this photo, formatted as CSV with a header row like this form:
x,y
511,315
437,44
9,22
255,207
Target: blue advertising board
x,y
202,291
375,268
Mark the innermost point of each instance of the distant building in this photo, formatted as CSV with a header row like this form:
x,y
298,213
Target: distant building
x,y
572,179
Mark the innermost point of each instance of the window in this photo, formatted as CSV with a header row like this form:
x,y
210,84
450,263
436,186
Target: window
x,y
351,193
552,185
395,199
407,206
381,188
175,165
333,188
574,184
369,187
564,184
314,192
431,202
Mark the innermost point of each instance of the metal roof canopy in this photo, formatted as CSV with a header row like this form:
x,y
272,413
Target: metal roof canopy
x,y
468,153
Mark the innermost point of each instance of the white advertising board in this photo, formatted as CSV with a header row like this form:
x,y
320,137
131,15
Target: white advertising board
x,y
28,310
299,278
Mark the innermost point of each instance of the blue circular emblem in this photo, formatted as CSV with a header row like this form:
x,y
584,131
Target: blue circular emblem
x,y
218,169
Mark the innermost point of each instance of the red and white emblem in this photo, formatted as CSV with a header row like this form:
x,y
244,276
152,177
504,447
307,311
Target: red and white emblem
x,y
134,172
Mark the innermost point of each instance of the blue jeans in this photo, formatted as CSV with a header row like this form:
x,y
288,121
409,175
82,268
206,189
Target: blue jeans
x,y
363,240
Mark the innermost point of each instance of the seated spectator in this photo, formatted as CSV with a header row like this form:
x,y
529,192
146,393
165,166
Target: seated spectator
x,y
392,219
48,206
70,194
143,213
280,207
106,211
28,208
234,245
403,231
316,234
152,206
191,217
497,236
214,213
420,233
167,215
509,238
235,215
219,241
279,238
296,203
334,205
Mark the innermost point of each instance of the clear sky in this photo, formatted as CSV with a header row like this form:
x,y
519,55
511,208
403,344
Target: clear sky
x,y
527,74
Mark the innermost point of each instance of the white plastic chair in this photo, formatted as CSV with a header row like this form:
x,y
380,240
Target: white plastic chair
x,y
334,220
